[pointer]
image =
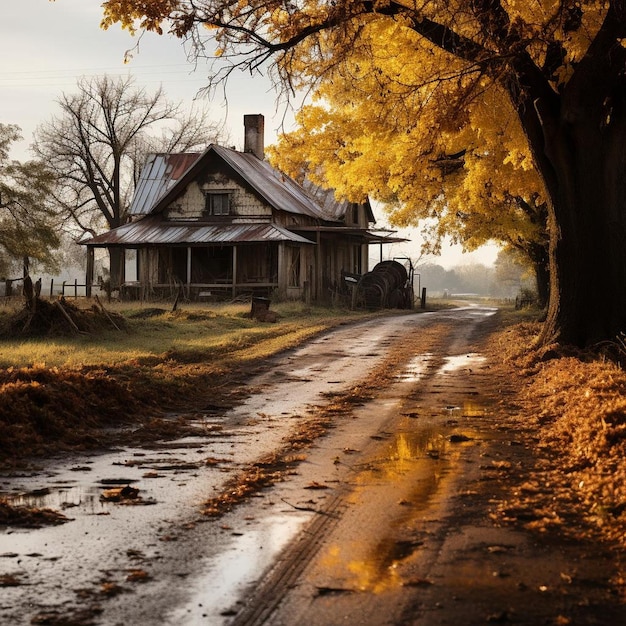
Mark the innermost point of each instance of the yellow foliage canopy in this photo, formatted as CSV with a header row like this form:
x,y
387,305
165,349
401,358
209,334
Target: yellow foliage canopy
x,y
432,133
388,124
555,65
410,107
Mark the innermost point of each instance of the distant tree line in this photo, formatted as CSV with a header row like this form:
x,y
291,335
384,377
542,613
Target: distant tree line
x,y
507,278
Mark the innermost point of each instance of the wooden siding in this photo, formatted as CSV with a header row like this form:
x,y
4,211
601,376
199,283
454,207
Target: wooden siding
x,y
243,203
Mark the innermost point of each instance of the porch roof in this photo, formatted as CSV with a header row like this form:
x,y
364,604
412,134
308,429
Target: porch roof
x,y
379,235
153,231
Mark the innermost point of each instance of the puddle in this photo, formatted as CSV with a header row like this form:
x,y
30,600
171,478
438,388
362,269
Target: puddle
x,y
407,448
216,590
455,363
64,497
473,409
406,476
415,368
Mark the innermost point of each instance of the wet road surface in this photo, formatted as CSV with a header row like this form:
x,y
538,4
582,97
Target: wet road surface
x,y
351,535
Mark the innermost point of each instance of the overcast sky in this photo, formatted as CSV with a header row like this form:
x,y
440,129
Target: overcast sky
x,y
46,46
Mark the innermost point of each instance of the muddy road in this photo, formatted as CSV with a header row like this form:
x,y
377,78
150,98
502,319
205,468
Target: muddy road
x,y
387,446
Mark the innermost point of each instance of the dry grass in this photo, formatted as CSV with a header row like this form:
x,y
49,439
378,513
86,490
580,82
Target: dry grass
x,y
153,333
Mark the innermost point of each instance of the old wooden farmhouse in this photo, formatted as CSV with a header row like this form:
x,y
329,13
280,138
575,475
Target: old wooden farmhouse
x,y
223,223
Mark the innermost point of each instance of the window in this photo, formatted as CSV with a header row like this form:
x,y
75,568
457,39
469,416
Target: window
x,y
216,203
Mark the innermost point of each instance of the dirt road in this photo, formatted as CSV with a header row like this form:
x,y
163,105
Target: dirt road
x,y
397,444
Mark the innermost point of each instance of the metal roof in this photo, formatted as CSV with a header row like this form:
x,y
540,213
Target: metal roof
x,y
368,236
166,176
326,199
152,230
278,189
158,176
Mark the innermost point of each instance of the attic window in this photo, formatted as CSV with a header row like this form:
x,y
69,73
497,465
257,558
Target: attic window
x,y
216,203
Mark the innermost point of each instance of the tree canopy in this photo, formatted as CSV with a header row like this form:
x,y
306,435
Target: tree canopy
x,y
558,64
28,225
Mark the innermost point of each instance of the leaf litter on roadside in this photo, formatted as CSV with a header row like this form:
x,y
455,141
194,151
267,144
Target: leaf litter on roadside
x,y
574,404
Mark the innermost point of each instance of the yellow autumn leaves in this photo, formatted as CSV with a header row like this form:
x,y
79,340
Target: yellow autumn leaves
x,y
135,15
388,122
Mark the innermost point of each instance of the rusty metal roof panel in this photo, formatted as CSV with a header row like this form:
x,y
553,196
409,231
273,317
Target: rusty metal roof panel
x,y
151,231
277,188
160,173
326,199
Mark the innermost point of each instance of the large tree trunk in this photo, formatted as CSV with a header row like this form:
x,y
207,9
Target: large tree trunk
x,y
588,243
588,252
577,136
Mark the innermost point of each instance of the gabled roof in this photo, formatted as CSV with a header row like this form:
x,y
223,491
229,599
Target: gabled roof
x,y
166,176
153,231
158,176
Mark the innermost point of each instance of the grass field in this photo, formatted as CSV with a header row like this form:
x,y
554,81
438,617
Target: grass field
x,y
157,333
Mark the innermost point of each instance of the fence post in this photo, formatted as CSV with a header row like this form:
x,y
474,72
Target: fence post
x,y
51,287
423,297
75,288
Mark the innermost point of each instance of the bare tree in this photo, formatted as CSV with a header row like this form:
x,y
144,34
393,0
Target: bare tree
x,y
99,141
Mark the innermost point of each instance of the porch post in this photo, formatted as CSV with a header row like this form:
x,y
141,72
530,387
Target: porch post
x,y
89,271
143,273
188,266
318,266
234,292
122,276
283,271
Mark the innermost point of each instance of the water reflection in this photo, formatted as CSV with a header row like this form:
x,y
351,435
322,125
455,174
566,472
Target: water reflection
x,y
473,409
361,575
457,362
62,497
415,368
405,476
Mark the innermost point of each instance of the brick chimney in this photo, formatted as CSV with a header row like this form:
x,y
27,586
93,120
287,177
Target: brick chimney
x,y
254,140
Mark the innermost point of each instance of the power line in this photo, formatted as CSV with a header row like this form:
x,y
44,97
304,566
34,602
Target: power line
x,y
183,72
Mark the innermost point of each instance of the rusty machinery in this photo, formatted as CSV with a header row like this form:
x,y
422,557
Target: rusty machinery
x,y
388,285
